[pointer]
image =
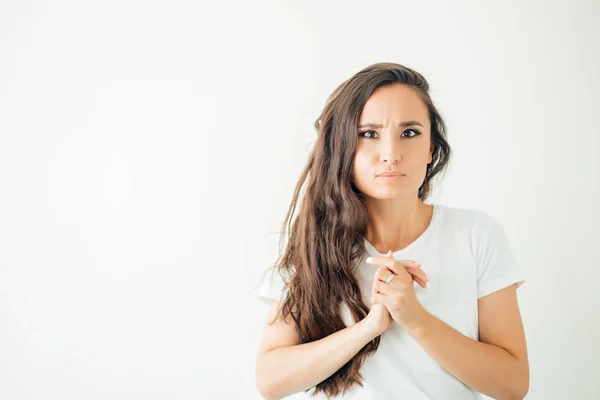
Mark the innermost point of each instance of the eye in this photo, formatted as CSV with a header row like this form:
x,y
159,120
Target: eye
x,y
364,134
368,134
417,133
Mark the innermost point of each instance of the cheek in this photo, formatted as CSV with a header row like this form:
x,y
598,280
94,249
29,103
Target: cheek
x,y
362,166
365,155
417,160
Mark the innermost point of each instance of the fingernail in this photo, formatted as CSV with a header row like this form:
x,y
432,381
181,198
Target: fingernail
x,y
369,259
427,285
418,263
427,277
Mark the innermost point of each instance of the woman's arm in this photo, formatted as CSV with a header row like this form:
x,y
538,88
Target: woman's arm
x,y
283,366
497,365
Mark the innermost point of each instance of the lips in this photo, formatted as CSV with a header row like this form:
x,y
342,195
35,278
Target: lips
x,y
391,174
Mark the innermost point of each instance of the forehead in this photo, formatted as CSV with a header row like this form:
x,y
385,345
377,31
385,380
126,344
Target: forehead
x,y
394,102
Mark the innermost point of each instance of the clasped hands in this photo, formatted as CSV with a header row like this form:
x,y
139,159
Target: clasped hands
x,y
397,300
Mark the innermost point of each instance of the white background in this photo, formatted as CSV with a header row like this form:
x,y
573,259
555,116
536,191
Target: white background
x,y
149,150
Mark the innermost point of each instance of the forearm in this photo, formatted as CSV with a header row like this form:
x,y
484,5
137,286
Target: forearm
x,y
292,369
486,368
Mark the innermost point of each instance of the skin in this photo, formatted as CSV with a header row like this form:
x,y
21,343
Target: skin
x,y
496,365
396,214
386,143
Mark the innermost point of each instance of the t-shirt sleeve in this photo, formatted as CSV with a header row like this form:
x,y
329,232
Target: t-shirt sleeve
x,y
272,286
497,266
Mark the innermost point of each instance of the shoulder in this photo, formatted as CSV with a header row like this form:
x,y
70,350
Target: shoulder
x,y
477,227
466,218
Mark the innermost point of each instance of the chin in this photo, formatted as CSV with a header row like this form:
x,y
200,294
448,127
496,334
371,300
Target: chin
x,y
387,194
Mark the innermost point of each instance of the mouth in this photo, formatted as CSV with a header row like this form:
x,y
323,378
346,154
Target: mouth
x,y
391,177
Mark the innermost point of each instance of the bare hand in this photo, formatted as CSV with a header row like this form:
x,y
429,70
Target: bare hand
x,y
399,295
378,319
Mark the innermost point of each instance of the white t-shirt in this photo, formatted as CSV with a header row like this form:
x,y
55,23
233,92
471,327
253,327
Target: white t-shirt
x,y
466,254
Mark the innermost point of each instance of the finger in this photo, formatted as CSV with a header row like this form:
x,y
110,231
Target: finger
x,y
418,273
411,267
391,263
378,298
383,273
388,261
382,288
421,282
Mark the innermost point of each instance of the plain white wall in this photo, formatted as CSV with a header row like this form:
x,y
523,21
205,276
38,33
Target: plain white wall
x,y
149,150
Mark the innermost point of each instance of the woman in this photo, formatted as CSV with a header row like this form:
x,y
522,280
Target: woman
x,y
379,295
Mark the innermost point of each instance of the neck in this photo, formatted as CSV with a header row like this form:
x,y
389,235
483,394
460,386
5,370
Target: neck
x,y
394,224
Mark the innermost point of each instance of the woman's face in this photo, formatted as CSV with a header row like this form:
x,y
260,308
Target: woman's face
x,y
394,135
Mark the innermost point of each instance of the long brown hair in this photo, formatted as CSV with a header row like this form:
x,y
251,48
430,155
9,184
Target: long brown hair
x,y
325,241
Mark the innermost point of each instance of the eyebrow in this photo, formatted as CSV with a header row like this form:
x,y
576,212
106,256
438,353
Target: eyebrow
x,y
401,125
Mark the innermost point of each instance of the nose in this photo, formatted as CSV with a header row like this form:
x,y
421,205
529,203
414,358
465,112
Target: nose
x,y
390,150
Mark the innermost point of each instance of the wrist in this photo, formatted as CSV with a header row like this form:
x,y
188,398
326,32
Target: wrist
x,y
364,331
418,327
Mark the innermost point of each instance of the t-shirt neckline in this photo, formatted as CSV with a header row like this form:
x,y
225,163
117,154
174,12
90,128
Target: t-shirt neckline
x,y
434,217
